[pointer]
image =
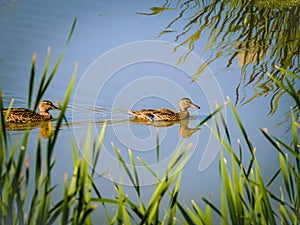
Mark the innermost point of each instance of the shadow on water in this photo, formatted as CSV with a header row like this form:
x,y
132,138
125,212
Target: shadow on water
x,y
260,35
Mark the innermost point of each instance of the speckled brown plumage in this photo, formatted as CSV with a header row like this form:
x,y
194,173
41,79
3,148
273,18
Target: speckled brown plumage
x,y
165,114
22,115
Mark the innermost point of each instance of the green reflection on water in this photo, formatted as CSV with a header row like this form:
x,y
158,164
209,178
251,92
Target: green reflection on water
x,y
258,34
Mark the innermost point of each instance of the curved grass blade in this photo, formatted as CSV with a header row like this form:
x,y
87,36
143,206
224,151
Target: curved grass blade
x,y
135,173
72,31
98,148
225,145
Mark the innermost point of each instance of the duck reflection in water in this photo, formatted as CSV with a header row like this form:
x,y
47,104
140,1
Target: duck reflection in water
x,y
46,127
185,131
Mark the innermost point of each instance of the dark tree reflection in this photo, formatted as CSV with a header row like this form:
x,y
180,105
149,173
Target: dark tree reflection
x,y
260,34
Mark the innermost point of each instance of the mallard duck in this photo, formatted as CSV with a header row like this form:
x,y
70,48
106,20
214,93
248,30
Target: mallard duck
x,y
22,115
165,114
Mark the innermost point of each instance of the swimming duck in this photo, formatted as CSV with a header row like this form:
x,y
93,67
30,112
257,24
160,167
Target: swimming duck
x,y
22,115
165,114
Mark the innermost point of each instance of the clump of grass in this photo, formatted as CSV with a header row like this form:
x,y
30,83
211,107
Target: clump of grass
x,y
140,213
14,164
245,197
14,181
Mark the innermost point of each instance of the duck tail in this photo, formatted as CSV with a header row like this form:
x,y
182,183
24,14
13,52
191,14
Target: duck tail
x,y
131,112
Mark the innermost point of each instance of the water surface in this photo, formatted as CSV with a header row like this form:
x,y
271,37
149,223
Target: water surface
x,y
28,27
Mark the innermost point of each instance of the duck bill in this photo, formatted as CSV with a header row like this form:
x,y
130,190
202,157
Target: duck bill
x,y
55,107
195,106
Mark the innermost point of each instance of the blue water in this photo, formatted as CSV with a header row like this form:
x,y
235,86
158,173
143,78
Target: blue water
x,y
123,65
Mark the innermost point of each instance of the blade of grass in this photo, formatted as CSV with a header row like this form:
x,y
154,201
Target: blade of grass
x,y
38,181
20,162
121,160
8,109
211,115
44,84
295,140
3,136
65,205
241,126
284,71
71,31
136,177
266,205
64,107
148,168
42,81
98,148
157,146
199,212
120,205
31,80
228,190
225,127
185,215
245,135
225,145
289,91
272,140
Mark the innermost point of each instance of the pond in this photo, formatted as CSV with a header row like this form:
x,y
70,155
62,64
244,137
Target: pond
x,y
125,62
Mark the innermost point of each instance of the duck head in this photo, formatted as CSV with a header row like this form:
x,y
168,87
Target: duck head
x,y
47,105
186,103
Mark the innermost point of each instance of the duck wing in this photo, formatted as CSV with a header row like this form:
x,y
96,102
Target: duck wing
x,y
166,115
166,111
144,114
155,114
